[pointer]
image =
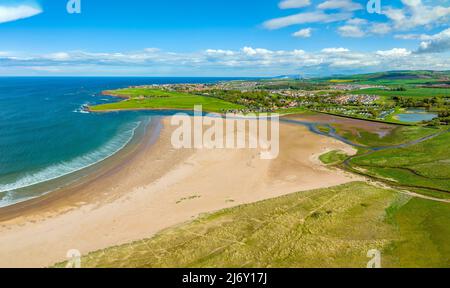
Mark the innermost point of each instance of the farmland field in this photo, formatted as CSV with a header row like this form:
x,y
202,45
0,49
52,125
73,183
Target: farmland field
x,y
410,92
158,99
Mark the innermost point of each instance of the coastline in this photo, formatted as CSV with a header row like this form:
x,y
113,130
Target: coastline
x,y
78,176
153,188
71,183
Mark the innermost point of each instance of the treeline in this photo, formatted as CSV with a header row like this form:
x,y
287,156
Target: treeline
x,y
444,117
398,89
432,102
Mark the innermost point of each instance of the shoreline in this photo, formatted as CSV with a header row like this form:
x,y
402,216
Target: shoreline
x,y
153,189
51,185
86,175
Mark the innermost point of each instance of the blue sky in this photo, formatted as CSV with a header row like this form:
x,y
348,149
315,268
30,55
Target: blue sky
x,y
222,37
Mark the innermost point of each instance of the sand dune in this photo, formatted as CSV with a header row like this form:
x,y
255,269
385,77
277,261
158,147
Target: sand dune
x,y
156,187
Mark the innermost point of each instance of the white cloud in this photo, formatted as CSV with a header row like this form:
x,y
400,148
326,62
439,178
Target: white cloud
x,y
13,13
354,28
258,51
347,5
413,37
59,56
412,3
409,15
415,14
436,43
395,52
152,50
357,27
335,50
288,4
303,33
380,28
346,63
351,31
357,21
248,61
307,17
219,52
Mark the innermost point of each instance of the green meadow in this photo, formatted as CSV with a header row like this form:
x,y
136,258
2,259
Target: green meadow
x,y
423,165
141,98
333,227
410,92
423,230
399,135
333,157
422,168
395,78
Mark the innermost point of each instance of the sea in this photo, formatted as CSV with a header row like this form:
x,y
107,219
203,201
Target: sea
x,y
46,135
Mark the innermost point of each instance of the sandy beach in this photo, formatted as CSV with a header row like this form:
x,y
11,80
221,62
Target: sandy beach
x,y
155,187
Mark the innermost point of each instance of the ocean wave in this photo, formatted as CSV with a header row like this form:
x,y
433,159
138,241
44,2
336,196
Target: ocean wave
x,y
82,109
61,169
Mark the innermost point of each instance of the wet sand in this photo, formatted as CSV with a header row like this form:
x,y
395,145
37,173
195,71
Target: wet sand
x,y
352,125
156,186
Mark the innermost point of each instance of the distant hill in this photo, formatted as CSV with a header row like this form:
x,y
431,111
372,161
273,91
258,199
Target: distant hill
x,y
420,77
293,77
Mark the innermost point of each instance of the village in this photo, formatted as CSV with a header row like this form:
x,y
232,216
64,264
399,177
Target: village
x,y
270,96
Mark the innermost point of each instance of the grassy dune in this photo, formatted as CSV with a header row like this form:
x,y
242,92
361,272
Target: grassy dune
x,y
332,227
333,157
159,99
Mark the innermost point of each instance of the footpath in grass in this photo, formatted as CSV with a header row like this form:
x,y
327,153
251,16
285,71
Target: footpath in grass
x,y
333,227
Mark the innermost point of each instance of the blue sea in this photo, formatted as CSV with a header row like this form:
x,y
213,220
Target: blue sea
x,y
45,134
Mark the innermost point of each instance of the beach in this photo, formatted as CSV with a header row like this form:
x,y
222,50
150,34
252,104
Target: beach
x,y
154,187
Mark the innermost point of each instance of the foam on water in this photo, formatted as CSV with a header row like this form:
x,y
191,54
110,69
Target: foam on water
x,y
82,109
67,167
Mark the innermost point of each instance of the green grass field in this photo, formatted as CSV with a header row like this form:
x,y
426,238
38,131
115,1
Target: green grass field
x,y
426,164
333,157
333,227
159,99
410,92
423,229
297,110
399,135
395,78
